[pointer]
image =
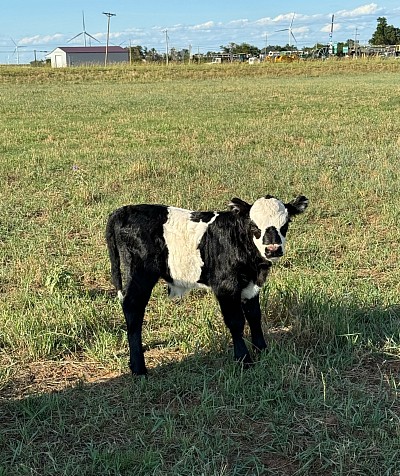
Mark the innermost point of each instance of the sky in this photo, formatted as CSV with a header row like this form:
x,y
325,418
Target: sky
x,y
29,26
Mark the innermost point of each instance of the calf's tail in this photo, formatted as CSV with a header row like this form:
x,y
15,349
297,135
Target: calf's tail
x,y
113,253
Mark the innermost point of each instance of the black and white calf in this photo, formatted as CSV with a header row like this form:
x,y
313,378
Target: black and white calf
x,y
229,252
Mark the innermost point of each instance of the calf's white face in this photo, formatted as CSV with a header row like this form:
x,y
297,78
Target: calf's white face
x,y
271,217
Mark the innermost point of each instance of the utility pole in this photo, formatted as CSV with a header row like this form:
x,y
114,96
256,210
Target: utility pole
x,y
108,15
166,47
355,44
38,51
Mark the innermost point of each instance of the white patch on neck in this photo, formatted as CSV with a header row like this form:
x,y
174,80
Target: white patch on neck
x,y
183,236
266,212
250,291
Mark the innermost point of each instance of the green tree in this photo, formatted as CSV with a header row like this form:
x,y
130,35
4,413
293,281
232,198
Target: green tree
x,y
153,55
288,47
137,53
385,34
243,48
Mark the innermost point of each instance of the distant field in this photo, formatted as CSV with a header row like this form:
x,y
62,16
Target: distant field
x,y
76,144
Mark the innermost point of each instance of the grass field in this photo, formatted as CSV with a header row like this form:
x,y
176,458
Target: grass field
x,y
76,144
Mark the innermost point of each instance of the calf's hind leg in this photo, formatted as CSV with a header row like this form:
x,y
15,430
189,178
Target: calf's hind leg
x,y
134,304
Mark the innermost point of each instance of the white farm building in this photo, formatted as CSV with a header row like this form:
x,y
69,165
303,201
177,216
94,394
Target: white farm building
x,y
87,55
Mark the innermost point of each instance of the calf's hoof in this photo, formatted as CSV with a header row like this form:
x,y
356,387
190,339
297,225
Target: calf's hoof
x,y
259,347
138,372
245,360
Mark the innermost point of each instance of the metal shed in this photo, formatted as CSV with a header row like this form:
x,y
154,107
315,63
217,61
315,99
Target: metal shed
x,y
64,56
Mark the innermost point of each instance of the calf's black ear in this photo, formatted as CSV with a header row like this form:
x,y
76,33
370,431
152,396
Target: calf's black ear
x,y
296,206
239,206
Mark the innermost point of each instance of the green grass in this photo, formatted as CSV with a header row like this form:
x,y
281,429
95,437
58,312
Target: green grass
x,y
76,144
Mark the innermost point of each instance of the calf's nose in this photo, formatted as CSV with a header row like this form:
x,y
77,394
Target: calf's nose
x,y
272,247
273,251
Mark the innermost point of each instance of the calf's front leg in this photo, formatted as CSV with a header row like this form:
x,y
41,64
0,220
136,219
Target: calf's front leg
x,y
234,319
252,311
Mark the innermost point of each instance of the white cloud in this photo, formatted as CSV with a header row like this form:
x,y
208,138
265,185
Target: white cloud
x,y
117,35
240,22
203,26
38,39
263,21
301,31
286,17
370,9
327,28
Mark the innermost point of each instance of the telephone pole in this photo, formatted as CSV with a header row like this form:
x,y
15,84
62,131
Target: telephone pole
x,y
166,47
356,44
108,15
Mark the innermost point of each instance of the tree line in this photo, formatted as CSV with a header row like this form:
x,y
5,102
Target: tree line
x,y
384,34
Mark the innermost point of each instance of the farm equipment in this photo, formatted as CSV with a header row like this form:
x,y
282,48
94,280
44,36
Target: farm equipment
x,y
282,56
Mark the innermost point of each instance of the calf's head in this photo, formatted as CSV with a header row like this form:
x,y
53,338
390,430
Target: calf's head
x,y
270,220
